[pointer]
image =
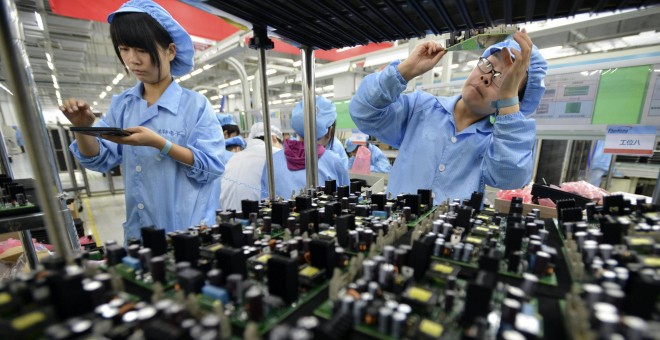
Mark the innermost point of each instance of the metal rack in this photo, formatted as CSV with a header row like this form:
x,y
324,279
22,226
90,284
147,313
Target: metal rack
x,y
55,217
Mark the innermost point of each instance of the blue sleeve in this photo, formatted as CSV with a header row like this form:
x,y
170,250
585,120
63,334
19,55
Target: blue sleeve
x,y
264,183
379,163
207,145
338,148
350,163
110,154
379,109
509,160
342,174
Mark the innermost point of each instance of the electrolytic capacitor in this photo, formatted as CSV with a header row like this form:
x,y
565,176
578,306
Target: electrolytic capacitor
x,y
615,297
353,239
529,284
514,261
359,310
407,214
513,292
384,318
368,270
248,237
386,276
544,235
592,293
541,263
133,250
235,287
510,309
215,277
635,327
437,226
388,252
605,251
368,237
589,251
437,247
400,256
458,249
346,304
398,325
607,324
374,288
255,303
144,255
580,237
157,268
450,296
180,266
467,252
267,225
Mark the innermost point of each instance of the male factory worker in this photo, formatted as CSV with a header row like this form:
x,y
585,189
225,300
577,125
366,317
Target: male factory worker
x,y
379,162
449,144
242,177
289,164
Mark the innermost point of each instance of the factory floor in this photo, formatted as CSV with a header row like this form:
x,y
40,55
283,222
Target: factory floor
x,y
103,213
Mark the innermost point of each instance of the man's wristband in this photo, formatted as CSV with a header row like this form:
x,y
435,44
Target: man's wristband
x,y
166,148
498,104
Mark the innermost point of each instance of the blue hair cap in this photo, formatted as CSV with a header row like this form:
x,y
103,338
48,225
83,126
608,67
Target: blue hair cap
x,y
326,114
537,70
183,61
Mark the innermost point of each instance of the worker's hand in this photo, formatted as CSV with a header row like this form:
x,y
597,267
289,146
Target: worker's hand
x,y
423,58
78,112
140,136
518,69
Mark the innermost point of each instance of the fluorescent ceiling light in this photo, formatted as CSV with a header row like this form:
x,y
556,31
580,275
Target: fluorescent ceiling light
x,y
203,91
48,57
115,81
235,82
328,87
196,72
59,102
177,80
214,98
56,86
275,102
250,77
40,22
328,95
232,96
343,49
185,77
95,103
206,67
386,58
297,63
270,72
102,95
119,76
50,65
58,94
290,80
222,86
472,63
285,95
108,88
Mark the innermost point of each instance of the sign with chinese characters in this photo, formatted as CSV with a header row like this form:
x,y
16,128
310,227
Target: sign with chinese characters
x,y
630,140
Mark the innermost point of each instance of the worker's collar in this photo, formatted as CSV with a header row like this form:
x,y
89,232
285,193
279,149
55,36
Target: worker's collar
x,y
169,100
481,126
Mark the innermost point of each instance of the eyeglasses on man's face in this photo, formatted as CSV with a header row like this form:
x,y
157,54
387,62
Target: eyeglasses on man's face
x,y
485,66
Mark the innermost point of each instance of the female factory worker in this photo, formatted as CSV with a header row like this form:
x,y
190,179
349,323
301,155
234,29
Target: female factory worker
x,y
379,163
235,144
289,164
172,159
449,144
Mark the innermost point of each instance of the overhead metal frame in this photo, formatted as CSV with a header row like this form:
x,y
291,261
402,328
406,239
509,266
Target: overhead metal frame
x,y
343,23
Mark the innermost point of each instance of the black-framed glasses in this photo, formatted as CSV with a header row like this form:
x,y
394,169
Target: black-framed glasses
x,y
485,66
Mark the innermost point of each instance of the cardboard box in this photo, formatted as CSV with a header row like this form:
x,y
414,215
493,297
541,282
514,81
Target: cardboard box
x,y
546,212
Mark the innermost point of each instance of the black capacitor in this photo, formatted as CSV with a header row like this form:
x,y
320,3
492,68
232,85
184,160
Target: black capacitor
x,y
332,212
343,191
413,201
145,255
133,250
190,280
510,309
514,261
640,286
513,238
464,214
232,234
398,325
330,187
291,224
380,200
612,230
309,220
231,261
475,200
384,320
179,266
96,293
529,284
215,277
303,202
186,248
280,212
283,278
154,239
249,206
235,287
369,270
344,223
67,287
248,237
255,304
356,185
323,255
344,203
478,295
541,263
267,225
157,268
114,254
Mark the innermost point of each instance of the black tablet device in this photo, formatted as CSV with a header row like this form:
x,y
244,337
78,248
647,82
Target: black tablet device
x,y
98,131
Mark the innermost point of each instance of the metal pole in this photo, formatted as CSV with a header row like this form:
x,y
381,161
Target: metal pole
x,y
610,171
309,118
266,115
19,75
537,156
68,159
656,192
565,163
